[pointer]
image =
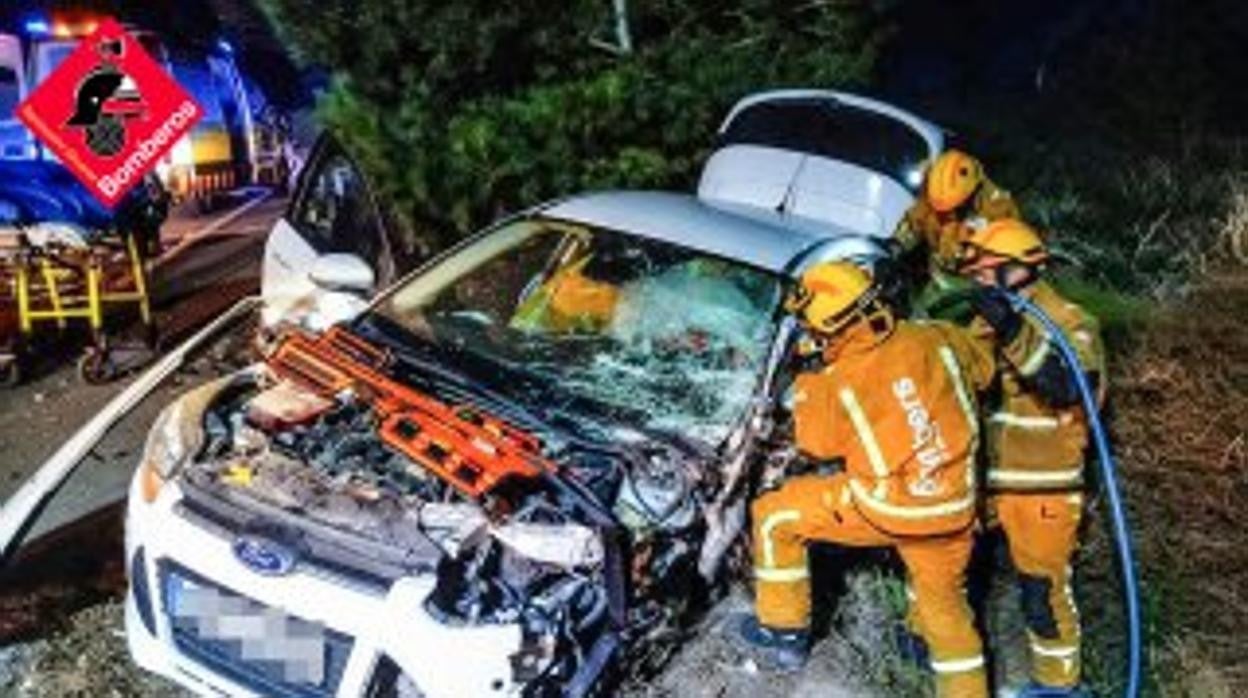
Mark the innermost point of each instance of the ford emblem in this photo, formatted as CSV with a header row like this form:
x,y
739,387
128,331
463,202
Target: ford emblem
x,y
264,555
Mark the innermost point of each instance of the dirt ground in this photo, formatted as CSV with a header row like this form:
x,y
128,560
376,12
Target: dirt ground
x,y
1181,425
709,666
87,659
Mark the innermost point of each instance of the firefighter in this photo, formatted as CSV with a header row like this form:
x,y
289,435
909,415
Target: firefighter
x,y
896,400
957,198
1036,441
570,301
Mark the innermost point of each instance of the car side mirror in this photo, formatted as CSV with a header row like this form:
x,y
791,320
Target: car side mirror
x,y
343,272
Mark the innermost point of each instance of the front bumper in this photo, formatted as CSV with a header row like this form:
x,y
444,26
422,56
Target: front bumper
x,y
374,624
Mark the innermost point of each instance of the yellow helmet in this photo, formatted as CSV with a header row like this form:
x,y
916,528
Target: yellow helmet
x,y
831,294
1002,241
952,179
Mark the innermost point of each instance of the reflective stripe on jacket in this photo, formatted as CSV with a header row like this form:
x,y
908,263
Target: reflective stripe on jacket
x,y
1033,446
901,411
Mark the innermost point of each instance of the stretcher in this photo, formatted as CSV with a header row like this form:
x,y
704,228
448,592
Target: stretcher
x,y
57,278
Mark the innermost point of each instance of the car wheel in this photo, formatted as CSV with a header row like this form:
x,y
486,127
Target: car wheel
x,y
11,373
97,367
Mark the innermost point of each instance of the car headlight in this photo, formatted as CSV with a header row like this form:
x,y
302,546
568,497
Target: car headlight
x,y
177,435
173,439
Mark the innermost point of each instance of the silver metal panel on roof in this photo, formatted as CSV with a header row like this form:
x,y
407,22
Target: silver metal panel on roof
x,y
786,160
684,220
930,132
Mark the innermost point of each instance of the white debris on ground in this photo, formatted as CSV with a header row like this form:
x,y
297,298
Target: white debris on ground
x,y
86,659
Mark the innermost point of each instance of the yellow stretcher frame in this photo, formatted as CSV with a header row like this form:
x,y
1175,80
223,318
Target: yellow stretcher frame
x,y
90,306
54,285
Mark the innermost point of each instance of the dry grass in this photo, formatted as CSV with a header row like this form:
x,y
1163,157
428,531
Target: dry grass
x,y
1233,237
1184,670
1180,406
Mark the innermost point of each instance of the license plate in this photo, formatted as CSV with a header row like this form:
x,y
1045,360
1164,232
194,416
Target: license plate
x,y
282,646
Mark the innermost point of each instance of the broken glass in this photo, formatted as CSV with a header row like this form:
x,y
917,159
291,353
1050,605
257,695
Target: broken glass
x,y
645,330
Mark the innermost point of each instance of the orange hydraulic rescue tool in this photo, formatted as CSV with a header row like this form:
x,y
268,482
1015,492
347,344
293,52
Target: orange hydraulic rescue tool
x,y
471,450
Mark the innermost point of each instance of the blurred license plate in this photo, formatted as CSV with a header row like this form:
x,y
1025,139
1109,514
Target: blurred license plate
x,y
281,646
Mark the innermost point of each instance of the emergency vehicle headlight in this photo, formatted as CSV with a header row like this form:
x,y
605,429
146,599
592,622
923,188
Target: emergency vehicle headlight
x,y
181,154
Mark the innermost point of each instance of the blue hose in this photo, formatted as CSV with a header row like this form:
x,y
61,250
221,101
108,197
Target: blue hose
x,y
1117,512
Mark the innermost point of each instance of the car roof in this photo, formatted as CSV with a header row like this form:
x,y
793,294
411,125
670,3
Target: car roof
x,y
760,238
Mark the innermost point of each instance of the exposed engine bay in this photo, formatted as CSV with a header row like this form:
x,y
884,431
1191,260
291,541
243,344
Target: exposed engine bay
x,y
594,549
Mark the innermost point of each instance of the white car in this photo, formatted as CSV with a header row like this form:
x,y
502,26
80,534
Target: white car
x,y
520,468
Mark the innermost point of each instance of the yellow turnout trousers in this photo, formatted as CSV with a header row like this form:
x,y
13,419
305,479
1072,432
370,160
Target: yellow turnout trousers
x,y
1042,530
821,509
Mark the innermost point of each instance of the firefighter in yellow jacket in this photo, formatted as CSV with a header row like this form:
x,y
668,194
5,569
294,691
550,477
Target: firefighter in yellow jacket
x,y
957,199
569,302
1036,441
897,401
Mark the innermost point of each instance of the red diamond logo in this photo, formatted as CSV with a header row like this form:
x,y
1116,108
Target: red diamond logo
x,y
109,112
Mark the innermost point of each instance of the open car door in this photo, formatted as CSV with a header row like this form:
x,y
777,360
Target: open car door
x,y
330,252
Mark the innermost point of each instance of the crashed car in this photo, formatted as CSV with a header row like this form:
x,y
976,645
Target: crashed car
x,y
521,469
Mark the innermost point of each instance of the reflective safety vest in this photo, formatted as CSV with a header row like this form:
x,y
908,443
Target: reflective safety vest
x,y
902,412
1032,446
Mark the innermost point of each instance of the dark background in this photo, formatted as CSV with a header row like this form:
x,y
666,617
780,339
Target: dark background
x,y
195,22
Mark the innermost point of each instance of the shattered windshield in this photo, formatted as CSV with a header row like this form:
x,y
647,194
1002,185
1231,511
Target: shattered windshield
x,y
658,336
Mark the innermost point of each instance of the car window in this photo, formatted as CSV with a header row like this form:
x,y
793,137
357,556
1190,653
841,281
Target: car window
x,y
10,92
501,283
51,55
833,130
193,75
657,335
334,212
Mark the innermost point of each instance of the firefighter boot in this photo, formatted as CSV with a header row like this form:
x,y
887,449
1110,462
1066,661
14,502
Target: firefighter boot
x,y
1035,690
773,649
911,647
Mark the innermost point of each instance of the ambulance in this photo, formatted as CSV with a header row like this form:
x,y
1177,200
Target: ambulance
x,y
217,156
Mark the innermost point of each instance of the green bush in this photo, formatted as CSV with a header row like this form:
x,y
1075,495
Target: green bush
x,y
462,111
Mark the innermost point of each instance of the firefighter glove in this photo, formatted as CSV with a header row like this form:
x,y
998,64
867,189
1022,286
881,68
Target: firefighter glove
x,y
995,308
